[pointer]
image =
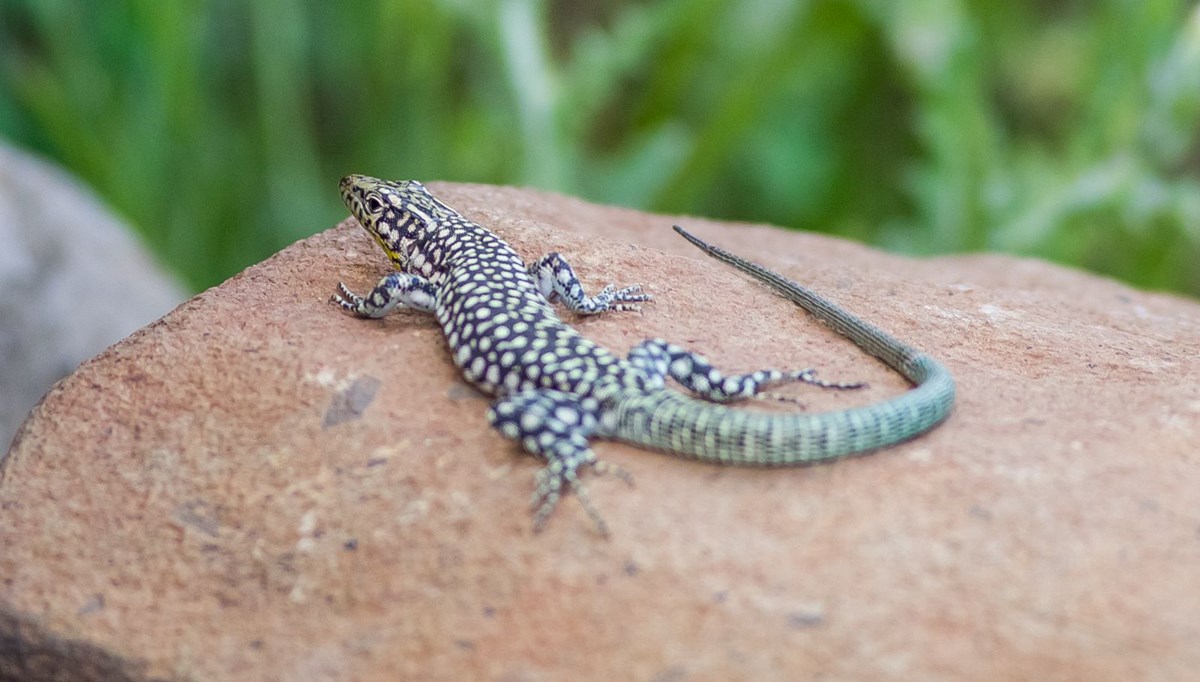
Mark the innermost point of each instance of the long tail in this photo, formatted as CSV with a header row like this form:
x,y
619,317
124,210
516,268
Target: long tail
x,y
670,421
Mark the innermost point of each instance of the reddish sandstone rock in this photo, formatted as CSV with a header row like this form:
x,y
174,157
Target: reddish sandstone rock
x,y
261,487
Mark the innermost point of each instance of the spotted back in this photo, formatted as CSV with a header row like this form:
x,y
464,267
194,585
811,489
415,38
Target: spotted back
x,y
503,334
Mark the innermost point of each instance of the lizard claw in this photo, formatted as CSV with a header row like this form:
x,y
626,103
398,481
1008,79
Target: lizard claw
x,y
346,299
611,298
551,480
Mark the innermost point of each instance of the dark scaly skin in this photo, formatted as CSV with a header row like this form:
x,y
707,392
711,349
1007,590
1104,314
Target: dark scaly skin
x,y
556,389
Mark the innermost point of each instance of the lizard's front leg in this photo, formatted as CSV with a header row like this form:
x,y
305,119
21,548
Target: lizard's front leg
x,y
554,277
397,290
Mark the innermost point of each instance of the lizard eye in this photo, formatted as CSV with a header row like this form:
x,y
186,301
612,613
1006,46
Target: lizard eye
x,y
374,205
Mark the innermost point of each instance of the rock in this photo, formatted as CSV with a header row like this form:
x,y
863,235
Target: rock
x,y
259,486
73,279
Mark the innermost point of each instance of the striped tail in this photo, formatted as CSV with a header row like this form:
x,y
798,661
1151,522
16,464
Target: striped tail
x,y
668,420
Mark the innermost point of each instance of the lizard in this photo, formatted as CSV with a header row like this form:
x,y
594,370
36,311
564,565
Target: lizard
x,y
555,390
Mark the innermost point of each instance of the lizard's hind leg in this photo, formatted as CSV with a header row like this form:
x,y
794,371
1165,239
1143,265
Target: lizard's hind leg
x,y
555,426
660,358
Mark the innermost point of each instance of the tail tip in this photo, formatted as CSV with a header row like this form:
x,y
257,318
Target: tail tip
x,y
696,241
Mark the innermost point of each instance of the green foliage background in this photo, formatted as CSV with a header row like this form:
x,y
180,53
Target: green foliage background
x,y
1063,129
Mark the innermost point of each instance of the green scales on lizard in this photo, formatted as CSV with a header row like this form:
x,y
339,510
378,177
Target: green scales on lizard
x,y
555,390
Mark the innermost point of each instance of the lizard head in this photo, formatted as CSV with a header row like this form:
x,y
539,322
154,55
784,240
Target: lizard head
x,y
397,214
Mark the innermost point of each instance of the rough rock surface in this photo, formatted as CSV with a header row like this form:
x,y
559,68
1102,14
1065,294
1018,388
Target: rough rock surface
x,y
73,279
260,487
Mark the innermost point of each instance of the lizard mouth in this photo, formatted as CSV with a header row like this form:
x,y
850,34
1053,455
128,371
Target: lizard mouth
x,y
352,193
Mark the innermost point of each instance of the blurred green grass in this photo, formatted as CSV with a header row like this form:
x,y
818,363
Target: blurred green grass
x,y
1062,129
